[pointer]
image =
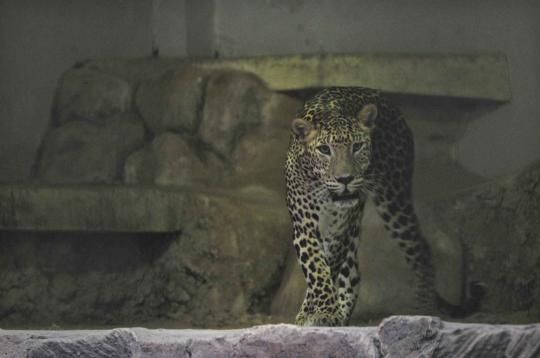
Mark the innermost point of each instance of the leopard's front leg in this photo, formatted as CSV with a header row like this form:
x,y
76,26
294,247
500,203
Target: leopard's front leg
x,y
320,306
347,279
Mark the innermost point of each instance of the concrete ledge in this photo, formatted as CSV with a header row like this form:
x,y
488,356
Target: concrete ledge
x,y
398,336
99,208
478,76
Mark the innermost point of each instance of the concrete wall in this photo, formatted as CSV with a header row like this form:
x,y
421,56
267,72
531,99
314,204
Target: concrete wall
x,y
168,27
497,142
41,39
200,28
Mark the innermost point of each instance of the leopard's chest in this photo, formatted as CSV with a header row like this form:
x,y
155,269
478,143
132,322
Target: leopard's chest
x,y
334,221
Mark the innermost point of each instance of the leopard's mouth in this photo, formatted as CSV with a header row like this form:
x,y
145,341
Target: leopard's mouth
x,y
345,197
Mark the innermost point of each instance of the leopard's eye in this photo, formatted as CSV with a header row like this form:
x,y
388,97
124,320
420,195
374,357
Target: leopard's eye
x,y
324,149
356,147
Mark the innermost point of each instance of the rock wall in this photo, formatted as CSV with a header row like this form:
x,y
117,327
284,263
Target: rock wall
x,y
498,224
164,122
219,135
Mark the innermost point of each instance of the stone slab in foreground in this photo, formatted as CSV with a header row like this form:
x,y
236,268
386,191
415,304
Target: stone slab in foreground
x,y
398,336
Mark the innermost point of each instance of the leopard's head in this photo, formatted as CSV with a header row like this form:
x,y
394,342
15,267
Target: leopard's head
x,y
337,152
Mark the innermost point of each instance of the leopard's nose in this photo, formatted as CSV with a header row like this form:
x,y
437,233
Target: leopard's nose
x,y
344,179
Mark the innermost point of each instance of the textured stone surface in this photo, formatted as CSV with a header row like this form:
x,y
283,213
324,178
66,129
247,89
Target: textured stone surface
x,y
173,101
424,336
262,341
260,154
498,226
171,160
206,127
89,94
233,106
89,152
396,337
409,336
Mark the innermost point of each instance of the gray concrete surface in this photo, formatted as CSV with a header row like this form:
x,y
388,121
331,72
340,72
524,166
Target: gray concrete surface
x,y
41,40
110,208
480,77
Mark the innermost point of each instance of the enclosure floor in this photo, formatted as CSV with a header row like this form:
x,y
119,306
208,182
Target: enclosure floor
x,y
396,336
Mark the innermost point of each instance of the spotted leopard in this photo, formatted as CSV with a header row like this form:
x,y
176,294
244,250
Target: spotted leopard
x,y
348,145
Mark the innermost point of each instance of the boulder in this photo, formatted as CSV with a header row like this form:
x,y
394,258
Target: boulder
x,y
497,225
89,152
181,159
232,107
171,159
425,336
290,294
231,255
172,101
260,154
89,94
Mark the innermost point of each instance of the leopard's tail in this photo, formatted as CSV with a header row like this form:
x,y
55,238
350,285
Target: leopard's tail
x,y
470,304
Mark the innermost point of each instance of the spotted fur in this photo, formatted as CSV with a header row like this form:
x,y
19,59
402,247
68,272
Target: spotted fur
x,y
347,146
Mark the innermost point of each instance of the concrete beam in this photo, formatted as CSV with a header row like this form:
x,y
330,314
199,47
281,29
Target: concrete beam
x,y
481,76
107,208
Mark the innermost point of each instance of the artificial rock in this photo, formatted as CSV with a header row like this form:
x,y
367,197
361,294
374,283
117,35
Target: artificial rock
x,y
89,95
84,151
171,159
232,107
172,101
217,268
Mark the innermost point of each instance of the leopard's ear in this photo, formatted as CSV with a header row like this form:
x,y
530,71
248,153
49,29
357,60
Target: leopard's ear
x,y
368,114
303,129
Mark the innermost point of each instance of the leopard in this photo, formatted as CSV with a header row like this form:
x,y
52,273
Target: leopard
x,y
349,145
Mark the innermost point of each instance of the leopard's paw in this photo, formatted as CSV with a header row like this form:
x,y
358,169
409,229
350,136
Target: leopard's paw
x,y
300,319
320,319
